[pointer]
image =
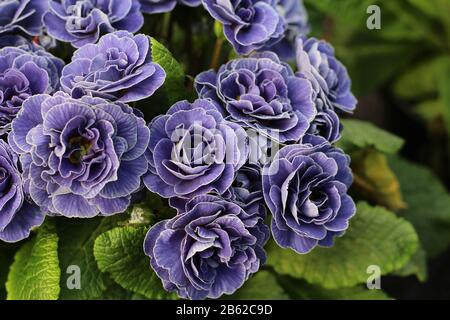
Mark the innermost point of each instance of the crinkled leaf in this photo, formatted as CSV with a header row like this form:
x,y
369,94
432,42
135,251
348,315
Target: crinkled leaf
x,y
173,87
76,248
376,236
35,273
374,180
261,286
359,134
119,253
428,204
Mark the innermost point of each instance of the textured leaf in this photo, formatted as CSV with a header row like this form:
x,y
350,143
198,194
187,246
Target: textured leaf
x,y
261,286
374,180
301,290
119,253
174,85
76,247
375,237
35,273
428,204
359,134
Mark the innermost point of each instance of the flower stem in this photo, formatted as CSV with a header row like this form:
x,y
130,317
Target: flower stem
x,y
216,54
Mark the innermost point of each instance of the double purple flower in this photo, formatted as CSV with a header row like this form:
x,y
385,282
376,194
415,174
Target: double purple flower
x,y
296,24
81,157
17,215
158,6
193,151
305,188
331,85
261,93
22,15
25,71
248,24
209,249
84,21
118,68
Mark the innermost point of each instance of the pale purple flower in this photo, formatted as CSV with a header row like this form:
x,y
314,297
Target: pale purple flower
x,y
118,68
209,249
193,151
248,24
25,70
81,157
22,15
84,21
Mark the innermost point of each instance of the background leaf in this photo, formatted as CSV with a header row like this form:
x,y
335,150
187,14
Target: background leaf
x,y
428,204
301,290
119,253
35,273
375,237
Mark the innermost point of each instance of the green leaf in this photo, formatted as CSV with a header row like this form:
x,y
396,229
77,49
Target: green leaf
x,y
428,204
359,134
375,237
119,253
409,87
173,87
416,266
76,248
35,273
261,286
374,180
301,290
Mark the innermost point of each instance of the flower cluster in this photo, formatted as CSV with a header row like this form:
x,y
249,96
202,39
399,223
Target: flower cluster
x,y
257,140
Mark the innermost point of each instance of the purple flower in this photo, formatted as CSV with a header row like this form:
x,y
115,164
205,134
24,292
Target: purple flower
x,y
209,249
25,70
23,15
305,188
248,24
118,68
17,215
330,82
84,21
261,93
296,24
246,189
193,151
81,157
158,6
316,61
